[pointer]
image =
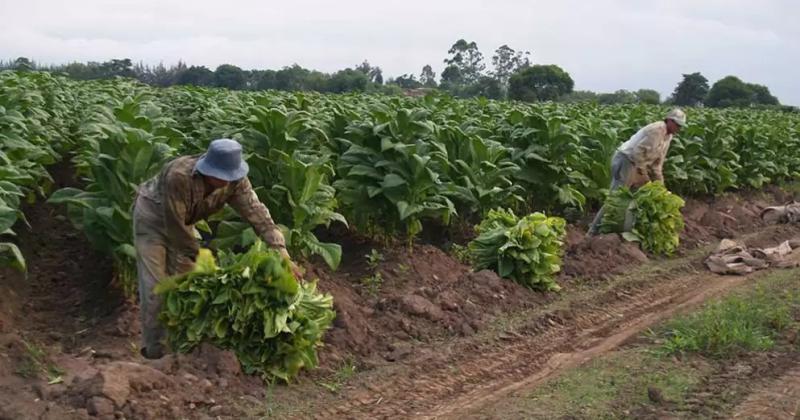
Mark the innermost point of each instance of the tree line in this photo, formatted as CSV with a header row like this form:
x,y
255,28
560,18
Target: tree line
x,y
512,75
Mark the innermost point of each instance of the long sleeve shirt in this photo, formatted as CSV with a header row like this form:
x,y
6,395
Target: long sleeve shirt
x,y
181,193
648,148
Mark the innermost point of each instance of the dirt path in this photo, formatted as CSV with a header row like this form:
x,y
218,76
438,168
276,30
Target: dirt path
x,y
779,400
459,381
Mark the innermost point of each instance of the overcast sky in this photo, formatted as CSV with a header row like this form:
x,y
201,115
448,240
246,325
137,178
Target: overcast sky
x,y
605,45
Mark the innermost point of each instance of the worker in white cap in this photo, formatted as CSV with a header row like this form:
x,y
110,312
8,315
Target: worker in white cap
x,y
641,158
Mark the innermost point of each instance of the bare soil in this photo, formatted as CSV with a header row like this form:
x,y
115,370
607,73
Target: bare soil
x,y
777,400
431,338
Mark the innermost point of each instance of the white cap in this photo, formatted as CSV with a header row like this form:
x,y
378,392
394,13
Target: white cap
x,y
678,116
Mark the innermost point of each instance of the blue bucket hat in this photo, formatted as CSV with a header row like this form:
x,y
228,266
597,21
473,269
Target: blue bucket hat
x,y
223,160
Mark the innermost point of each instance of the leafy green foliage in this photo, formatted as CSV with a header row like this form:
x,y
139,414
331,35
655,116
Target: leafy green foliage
x,y
373,282
390,174
652,213
392,165
251,304
481,172
527,250
34,117
291,173
123,147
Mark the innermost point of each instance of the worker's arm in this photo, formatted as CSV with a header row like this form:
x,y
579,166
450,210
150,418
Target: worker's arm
x,y
657,170
177,191
658,165
646,155
638,177
245,201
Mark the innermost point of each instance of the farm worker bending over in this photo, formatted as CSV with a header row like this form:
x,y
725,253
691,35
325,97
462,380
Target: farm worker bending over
x,y
187,190
641,158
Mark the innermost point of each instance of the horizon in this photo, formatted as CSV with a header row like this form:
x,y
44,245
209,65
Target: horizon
x,y
605,46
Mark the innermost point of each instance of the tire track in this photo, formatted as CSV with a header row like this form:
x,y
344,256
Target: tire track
x,y
463,380
779,400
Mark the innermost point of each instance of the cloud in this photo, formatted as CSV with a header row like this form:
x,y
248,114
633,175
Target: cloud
x,y
605,45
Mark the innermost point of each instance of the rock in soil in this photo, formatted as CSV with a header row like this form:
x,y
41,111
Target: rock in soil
x,y
118,380
398,351
633,251
419,306
655,395
604,243
100,406
220,362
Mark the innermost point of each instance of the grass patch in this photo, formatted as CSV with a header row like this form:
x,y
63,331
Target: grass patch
x,y
739,323
603,387
36,363
335,382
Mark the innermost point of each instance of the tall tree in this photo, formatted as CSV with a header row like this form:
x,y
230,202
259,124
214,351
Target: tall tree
x,y
468,59
452,80
487,87
364,67
506,62
117,67
266,80
230,76
292,78
347,80
162,76
762,95
428,77
23,64
196,76
732,91
540,83
620,96
691,91
406,81
374,73
648,96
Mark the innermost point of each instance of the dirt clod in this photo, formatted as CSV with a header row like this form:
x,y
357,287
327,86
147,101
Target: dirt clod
x,y
49,392
219,362
655,395
420,306
100,407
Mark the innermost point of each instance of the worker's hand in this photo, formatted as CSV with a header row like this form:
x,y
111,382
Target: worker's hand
x,y
297,271
638,178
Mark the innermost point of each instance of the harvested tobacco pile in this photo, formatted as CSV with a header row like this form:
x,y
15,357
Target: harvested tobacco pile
x,y
252,304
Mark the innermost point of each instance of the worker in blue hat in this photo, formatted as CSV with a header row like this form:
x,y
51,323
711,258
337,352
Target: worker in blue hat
x,y
187,190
